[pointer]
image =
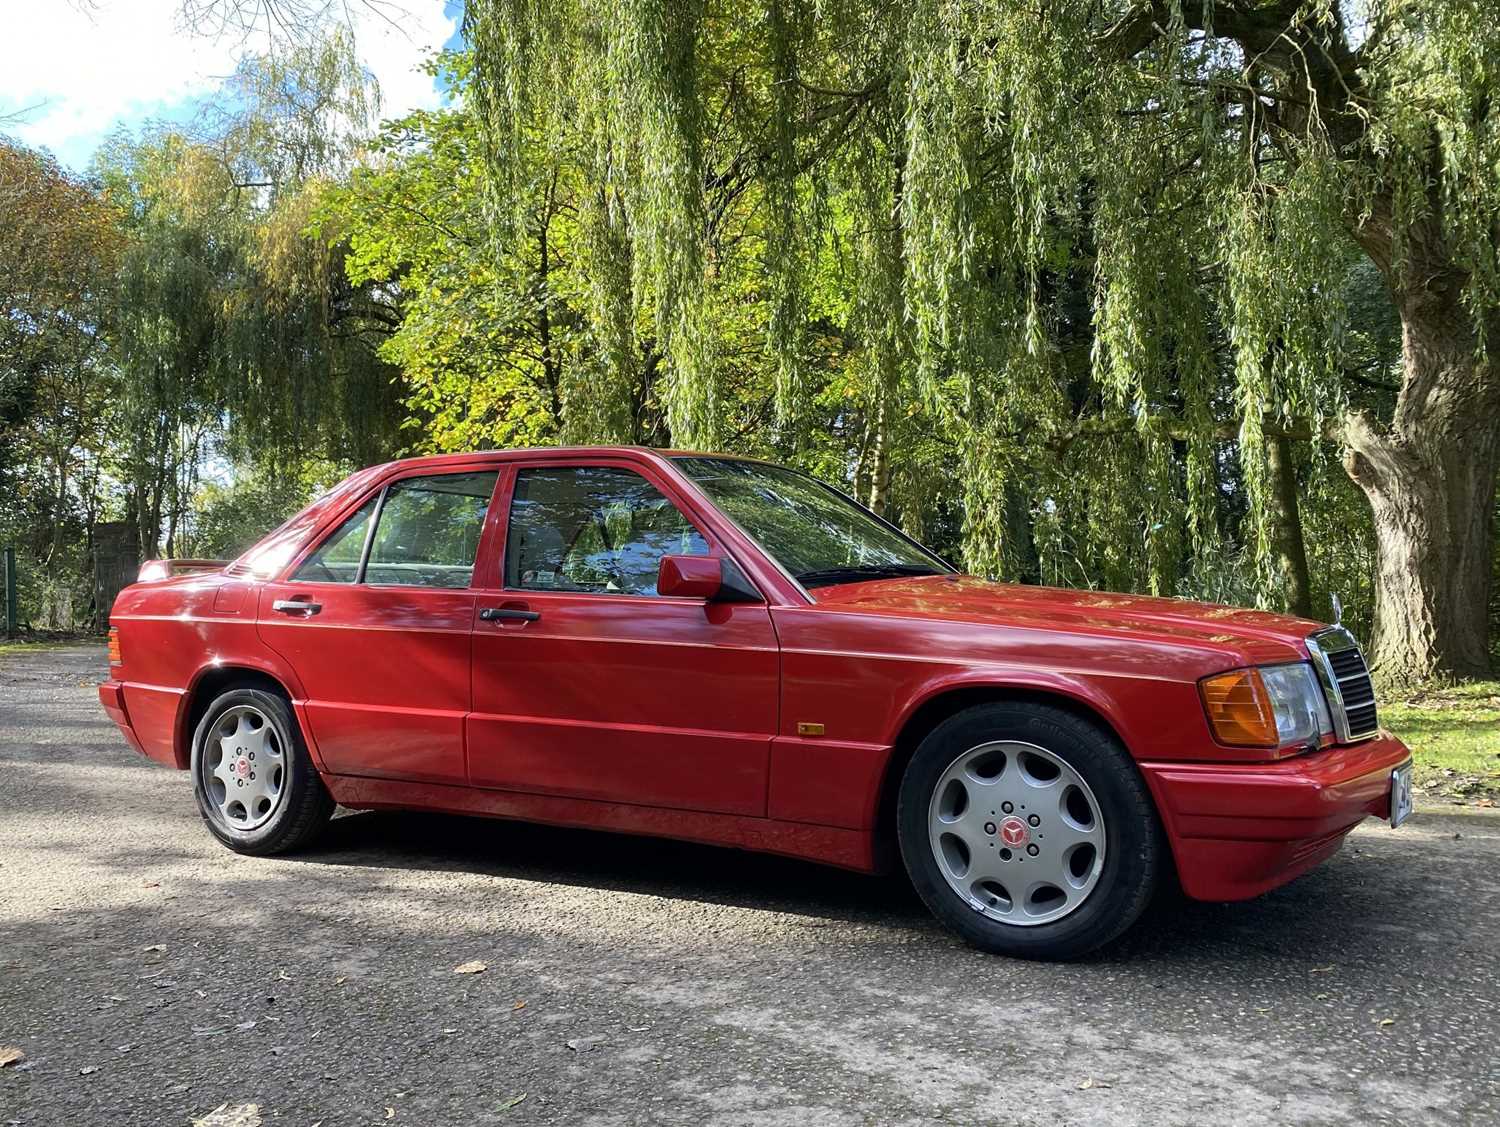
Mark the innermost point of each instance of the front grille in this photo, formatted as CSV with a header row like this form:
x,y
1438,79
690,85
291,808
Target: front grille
x,y
1346,681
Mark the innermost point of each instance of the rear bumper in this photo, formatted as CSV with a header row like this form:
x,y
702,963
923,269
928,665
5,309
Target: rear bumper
x,y
112,697
146,716
1238,830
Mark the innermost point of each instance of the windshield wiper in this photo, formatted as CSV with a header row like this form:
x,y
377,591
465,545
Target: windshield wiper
x,y
853,573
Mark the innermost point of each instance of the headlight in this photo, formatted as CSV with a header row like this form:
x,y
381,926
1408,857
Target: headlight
x,y
1273,706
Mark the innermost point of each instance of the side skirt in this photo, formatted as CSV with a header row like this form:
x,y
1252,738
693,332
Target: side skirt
x,y
829,845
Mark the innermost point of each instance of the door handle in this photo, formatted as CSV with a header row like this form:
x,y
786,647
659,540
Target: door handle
x,y
517,614
297,606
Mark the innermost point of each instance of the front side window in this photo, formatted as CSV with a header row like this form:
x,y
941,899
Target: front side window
x,y
426,535
600,529
818,535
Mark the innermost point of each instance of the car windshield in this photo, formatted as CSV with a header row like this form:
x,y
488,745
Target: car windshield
x,y
816,533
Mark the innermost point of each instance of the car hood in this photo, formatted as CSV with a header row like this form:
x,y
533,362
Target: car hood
x,y
1254,635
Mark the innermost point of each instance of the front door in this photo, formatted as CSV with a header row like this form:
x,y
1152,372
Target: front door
x,y
589,684
376,622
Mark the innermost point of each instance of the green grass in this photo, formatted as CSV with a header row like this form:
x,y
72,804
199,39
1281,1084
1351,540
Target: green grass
x,y
28,644
1454,735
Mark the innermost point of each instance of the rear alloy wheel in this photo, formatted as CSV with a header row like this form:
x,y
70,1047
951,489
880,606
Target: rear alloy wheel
x,y
255,784
1028,830
245,766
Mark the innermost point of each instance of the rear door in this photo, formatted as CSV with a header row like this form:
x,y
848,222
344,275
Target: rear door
x,y
587,683
376,622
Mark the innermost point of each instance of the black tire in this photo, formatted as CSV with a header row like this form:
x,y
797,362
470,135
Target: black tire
x,y
304,806
1133,860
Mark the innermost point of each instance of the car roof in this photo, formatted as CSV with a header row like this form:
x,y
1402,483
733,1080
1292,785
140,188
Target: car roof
x,y
424,461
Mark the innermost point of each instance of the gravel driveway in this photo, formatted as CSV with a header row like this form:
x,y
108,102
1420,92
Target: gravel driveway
x,y
151,976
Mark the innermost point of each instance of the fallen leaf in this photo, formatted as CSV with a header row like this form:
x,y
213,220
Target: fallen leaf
x,y
514,1101
241,1115
1092,1083
1387,1021
9,1055
390,1113
519,1006
473,966
585,1044
87,1070
340,980
155,947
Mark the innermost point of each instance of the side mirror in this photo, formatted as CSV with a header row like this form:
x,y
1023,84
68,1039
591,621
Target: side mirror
x,y
690,577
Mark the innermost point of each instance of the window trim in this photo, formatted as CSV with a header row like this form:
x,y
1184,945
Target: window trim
x,y
364,552
660,482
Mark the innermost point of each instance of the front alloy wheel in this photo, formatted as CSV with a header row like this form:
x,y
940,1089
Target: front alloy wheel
x,y
1017,833
1028,830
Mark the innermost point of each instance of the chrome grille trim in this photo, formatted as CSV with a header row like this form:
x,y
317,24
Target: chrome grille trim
x,y
1346,683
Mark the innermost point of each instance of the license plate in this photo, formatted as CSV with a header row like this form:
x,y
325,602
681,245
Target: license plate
x,y
1401,800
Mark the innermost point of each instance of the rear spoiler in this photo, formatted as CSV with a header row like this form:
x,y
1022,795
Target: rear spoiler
x,y
165,569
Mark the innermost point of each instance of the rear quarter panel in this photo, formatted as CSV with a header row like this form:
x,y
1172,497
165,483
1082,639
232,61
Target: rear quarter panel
x,y
171,634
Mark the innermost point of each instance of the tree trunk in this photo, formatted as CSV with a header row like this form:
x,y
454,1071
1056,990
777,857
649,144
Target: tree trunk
x,y
1430,480
880,464
1286,522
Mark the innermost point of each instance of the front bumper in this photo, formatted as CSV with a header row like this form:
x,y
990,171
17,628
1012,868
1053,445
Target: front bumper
x,y
1238,830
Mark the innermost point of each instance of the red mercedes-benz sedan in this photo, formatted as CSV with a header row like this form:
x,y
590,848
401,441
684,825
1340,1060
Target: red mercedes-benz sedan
x,y
724,650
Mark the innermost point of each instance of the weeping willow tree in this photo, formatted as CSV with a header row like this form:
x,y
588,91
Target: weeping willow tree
x,y
1056,228
233,330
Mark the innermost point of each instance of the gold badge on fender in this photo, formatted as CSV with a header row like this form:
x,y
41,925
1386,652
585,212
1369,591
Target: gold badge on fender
x,y
806,729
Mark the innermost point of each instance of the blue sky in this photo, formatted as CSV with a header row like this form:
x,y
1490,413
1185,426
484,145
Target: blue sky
x,y
73,70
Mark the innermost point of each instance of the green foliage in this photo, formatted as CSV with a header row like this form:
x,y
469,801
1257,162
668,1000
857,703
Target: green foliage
x,y
177,313
1043,283
229,516
1056,253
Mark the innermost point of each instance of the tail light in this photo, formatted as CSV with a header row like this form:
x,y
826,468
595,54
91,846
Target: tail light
x,y
114,646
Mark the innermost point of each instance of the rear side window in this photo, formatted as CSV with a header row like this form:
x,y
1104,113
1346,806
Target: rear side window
x,y
338,558
428,531
426,534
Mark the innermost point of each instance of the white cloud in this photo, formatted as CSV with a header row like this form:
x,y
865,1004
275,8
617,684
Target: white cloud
x,y
85,67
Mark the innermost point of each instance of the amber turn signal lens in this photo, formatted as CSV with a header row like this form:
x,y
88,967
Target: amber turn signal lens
x,y
114,646
1239,709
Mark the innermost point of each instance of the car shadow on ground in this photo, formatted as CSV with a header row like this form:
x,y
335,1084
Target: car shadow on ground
x,y
1335,909
596,859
